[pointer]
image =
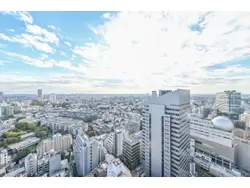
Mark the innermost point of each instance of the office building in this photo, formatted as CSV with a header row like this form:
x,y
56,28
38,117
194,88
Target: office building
x,y
131,152
166,135
40,95
86,152
212,143
114,143
52,98
31,164
246,118
7,110
228,101
54,162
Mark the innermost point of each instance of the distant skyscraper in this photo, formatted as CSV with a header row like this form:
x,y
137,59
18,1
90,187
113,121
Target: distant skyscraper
x,y
228,101
40,95
31,164
52,98
86,152
166,135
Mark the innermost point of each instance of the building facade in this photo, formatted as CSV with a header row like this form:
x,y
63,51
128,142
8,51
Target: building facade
x,y
166,134
131,152
58,142
86,152
54,162
212,145
31,164
40,95
114,143
246,118
228,101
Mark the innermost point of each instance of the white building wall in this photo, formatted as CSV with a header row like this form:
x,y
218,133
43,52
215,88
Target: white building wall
x,y
31,164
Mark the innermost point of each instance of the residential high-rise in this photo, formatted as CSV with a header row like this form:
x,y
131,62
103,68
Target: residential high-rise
x,y
114,143
228,101
246,118
131,152
166,135
40,95
31,164
58,142
86,152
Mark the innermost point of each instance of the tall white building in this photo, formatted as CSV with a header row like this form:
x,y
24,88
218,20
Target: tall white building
x,y
114,143
40,95
86,152
228,101
31,164
58,142
52,98
246,118
166,134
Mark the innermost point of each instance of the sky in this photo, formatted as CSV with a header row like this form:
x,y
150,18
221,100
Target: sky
x,y
124,52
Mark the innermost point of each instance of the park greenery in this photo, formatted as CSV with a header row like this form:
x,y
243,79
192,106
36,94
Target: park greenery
x,y
41,132
22,128
92,133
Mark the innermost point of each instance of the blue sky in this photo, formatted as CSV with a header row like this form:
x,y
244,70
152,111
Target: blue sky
x,y
124,52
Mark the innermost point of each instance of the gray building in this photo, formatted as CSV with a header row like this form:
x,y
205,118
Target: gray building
x,y
131,152
228,101
54,162
43,165
166,134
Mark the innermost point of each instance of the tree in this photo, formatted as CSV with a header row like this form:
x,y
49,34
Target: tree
x,y
63,155
42,134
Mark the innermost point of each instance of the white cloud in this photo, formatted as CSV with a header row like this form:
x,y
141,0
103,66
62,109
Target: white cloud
x,y
26,17
63,54
23,16
46,36
11,30
106,15
67,43
137,45
30,41
52,27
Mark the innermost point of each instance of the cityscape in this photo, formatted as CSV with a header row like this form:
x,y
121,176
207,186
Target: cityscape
x,y
163,134
124,94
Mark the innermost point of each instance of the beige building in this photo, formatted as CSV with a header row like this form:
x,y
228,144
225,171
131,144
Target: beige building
x,y
58,143
246,118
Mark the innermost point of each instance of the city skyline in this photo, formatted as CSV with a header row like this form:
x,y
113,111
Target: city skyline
x,y
90,52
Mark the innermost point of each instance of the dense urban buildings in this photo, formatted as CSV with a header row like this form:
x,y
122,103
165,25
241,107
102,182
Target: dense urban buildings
x,y
166,134
171,133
